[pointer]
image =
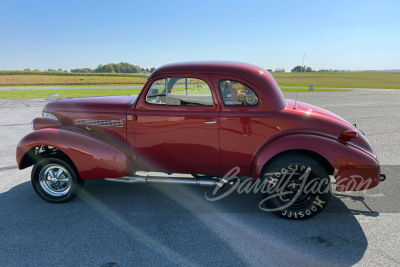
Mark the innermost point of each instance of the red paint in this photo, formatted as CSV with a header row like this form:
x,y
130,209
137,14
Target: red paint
x,y
175,138
42,123
93,156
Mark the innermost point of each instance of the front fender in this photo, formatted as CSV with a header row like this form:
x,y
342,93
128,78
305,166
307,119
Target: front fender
x,y
354,169
92,157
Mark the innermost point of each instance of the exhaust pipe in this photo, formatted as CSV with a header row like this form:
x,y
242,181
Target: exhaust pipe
x,y
166,180
382,177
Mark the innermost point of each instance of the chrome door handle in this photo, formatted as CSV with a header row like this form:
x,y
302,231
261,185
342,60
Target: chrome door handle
x,y
210,122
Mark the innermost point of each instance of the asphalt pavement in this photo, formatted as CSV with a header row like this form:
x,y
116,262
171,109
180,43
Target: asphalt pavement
x,y
115,224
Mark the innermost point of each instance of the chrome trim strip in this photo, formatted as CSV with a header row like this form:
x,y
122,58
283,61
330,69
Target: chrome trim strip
x,y
112,123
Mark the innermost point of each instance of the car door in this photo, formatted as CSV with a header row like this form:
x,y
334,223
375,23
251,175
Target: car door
x,y
176,126
242,127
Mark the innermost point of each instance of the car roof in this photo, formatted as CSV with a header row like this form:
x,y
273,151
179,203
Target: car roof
x,y
223,67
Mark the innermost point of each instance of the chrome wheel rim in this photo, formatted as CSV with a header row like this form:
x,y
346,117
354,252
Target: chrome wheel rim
x,y
292,191
55,180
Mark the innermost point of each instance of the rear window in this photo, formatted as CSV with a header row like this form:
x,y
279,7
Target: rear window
x,y
237,94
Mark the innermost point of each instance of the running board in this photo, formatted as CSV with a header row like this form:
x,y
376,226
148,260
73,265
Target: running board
x,y
167,180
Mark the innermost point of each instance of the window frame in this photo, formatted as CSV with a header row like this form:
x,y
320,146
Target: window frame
x,y
148,91
238,80
203,76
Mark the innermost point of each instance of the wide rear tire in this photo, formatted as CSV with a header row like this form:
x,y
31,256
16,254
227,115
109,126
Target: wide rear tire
x,y
298,187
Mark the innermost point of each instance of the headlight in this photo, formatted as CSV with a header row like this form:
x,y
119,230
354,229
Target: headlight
x,y
49,116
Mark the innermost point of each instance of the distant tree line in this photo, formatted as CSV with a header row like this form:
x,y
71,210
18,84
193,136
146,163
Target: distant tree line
x,y
308,69
49,70
122,67
82,70
302,69
66,73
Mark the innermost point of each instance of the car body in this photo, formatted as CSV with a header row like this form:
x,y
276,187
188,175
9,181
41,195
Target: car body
x,y
200,118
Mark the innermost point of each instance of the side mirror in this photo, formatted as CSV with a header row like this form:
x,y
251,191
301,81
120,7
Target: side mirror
x,y
153,91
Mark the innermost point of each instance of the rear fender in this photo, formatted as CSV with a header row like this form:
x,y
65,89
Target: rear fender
x,y
354,169
92,157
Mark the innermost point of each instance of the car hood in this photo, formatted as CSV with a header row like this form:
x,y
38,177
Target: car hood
x,y
104,104
103,115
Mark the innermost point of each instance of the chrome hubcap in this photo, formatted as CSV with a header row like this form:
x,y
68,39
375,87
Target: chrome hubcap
x,y
55,180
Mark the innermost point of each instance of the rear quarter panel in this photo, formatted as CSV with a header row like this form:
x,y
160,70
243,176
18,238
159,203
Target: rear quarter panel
x,y
354,170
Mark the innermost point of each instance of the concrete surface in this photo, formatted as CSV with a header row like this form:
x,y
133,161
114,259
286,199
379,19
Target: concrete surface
x,y
115,224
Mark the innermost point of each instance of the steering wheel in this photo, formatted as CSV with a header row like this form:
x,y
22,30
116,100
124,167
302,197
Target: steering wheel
x,y
251,98
156,100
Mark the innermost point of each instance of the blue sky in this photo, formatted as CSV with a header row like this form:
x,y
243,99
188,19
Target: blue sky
x,y
353,35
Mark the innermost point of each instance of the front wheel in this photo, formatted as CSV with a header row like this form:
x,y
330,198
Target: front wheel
x,y
55,180
298,187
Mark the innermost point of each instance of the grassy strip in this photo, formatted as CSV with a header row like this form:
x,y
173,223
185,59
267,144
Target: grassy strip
x,y
390,80
27,80
340,86
75,85
56,73
94,92
315,90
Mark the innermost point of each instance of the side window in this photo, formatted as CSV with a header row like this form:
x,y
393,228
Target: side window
x,y
156,93
180,92
237,94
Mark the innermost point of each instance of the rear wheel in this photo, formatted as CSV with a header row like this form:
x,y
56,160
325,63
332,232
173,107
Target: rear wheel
x,y
55,180
298,187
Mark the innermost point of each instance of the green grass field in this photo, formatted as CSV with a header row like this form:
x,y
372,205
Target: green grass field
x,y
56,73
332,79
28,80
75,85
390,80
95,92
321,79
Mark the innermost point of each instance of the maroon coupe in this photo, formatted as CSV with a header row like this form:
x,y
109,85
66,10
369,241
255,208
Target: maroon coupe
x,y
204,119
